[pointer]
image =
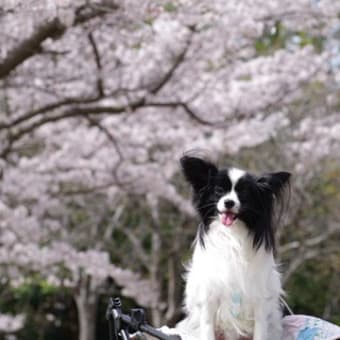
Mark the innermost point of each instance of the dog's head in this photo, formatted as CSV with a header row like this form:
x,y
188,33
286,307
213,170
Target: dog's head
x,y
230,194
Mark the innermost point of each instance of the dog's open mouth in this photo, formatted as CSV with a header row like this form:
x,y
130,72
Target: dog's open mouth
x,y
228,218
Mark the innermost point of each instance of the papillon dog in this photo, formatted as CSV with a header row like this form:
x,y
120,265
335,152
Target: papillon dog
x,y
233,286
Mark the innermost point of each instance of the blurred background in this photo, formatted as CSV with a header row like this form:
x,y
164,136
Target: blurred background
x,y
98,101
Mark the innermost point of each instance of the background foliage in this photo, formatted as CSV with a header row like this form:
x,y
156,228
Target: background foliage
x,y
100,98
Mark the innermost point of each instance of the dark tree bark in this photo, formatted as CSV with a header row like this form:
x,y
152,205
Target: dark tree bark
x,y
27,48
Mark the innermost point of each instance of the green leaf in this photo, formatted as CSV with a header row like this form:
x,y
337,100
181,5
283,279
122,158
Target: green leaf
x,y
170,7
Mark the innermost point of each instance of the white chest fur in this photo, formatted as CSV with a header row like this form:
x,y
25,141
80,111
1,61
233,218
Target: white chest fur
x,y
231,286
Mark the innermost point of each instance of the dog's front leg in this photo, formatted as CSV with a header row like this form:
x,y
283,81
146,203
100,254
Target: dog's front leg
x,y
207,321
275,323
268,321
261,325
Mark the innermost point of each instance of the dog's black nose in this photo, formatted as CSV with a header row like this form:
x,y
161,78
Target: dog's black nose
x,y
229,203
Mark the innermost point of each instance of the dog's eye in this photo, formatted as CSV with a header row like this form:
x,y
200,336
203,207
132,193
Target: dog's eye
x,y
242,193
219,191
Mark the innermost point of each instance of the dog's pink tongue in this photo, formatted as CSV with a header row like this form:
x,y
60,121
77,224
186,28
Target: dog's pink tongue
x,y
228,218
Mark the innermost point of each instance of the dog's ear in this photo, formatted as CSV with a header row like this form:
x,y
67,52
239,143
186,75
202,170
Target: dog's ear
x,y
276,181
197,171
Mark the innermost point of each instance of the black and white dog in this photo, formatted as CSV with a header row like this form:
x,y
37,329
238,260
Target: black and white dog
x,y
233,286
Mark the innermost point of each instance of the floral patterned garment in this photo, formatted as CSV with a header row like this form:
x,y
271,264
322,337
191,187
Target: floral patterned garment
x,y
295,327
303,327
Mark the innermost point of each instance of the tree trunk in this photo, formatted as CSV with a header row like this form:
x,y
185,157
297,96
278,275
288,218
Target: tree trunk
x,y
155,265
156,313
86,301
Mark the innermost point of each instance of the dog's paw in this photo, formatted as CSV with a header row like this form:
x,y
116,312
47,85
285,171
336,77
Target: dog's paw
x,y
138,336
168,330
173,332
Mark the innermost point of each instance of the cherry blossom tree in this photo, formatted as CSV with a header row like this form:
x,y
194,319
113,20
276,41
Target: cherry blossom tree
x,y
10,324
100,98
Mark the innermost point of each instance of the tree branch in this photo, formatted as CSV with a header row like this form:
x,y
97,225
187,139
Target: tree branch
x,y
169,74
100,85
67,113
298,261
51,29
82,111
137,246
46,108
30,46
185,106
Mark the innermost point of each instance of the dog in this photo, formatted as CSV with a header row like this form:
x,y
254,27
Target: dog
x,y
233,286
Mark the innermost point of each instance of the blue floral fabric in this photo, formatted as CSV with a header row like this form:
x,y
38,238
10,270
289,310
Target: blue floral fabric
x,y
303,327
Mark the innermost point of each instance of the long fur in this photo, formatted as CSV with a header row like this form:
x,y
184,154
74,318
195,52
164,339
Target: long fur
x,y
233,286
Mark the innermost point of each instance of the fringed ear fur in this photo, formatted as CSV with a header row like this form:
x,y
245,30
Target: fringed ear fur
x,y
197,171
278,184
276,181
